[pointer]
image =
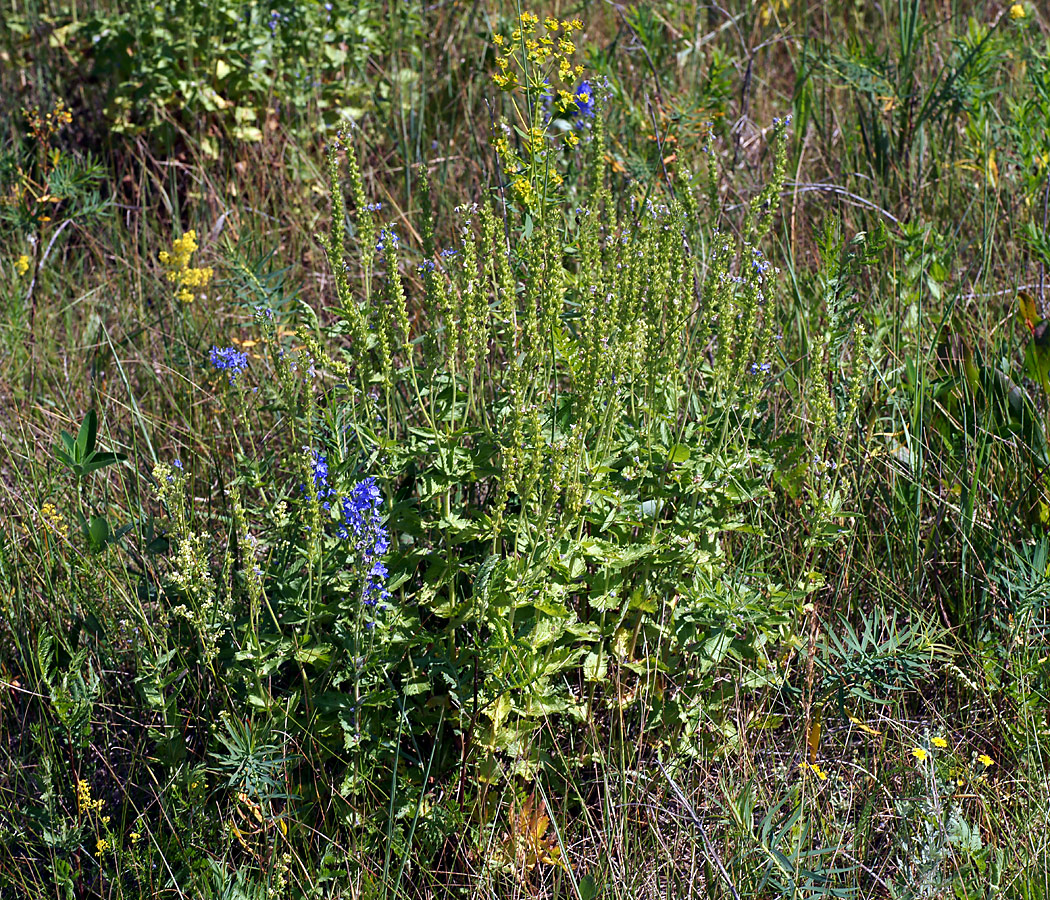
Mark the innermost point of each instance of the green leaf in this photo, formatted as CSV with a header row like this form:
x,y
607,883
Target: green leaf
x,y
679,453
86,438
98,532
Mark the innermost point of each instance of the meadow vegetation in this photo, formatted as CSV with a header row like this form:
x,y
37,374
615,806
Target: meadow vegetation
x,y
471,450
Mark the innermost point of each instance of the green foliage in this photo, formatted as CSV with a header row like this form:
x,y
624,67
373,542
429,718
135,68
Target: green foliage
x,y
238,66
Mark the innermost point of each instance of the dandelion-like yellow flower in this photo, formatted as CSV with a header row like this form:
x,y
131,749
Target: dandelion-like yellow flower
x,y
1017,12
22,264
939,742
985,760
919,754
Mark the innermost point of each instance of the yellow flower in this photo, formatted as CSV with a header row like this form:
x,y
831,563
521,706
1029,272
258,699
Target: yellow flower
x,y
919,754
22,264
180,273
49,515
134,837
101,846
1017,11
815,769
498,39
985,760
939,742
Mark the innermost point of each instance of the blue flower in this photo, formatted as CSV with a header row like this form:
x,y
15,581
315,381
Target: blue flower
x,y
229,359
585,103
320,476
363,528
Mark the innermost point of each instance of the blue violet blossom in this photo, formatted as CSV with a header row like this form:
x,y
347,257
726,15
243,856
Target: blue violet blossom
x,y
319,467
363,528
230,360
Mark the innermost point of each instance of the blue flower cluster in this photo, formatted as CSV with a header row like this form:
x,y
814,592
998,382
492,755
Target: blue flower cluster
x,y
363,527
320,475
229,359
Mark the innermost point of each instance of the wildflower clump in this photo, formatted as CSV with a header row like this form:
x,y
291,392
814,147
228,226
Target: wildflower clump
x,y
229,360
180,272
22,265
53,521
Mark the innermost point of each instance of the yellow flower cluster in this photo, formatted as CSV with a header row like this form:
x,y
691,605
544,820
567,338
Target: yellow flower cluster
x,y
551,46
45,125
22,264
84,802
180,272
49,515
1017,12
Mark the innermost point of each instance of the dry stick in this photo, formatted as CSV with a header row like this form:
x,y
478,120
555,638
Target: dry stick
x,y
709,849
1042,265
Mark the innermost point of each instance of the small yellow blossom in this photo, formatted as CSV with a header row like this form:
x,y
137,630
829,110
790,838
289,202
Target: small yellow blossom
x,y
135,836
101,846
84,801
815,769
985,760
22,264
1017,12
939,742
550,23
498,39
52,520
919,754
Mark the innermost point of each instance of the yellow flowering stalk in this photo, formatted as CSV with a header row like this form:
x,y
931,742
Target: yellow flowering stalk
x,y
534,67
22,265
179,271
